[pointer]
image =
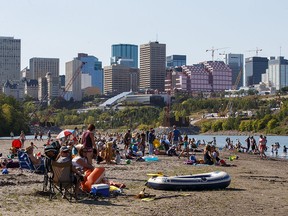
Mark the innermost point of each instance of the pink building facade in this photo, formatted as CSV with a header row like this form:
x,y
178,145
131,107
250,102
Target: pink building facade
x,y
203,77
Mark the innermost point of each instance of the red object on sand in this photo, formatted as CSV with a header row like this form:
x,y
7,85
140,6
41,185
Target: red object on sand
x,y
16,143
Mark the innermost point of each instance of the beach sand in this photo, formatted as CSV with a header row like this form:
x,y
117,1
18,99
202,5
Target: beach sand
x,y
258,187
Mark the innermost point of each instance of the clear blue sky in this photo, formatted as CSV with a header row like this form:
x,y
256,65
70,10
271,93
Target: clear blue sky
x,y
63,28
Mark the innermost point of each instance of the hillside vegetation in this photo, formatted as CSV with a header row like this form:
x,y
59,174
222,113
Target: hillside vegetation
x,y
250,113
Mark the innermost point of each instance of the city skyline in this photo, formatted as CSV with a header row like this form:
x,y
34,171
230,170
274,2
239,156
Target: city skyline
x,y
61,29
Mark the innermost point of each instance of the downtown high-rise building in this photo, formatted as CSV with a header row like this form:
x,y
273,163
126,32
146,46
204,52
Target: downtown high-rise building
x,y
10,59
73,80
120,78
153,66
125,54
175,61
254,68
236,64
276,75
39,67
92,72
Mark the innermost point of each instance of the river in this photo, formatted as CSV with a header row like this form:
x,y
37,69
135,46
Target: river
x,y
221,141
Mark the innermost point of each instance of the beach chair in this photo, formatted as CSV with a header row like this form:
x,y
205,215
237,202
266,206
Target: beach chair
x,y
61,178
26,163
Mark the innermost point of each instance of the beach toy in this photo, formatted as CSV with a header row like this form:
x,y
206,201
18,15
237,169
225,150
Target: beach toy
x,y
5,171
128,161
93,177
150,158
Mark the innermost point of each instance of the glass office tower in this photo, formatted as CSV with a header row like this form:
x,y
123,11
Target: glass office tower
x,y
124,52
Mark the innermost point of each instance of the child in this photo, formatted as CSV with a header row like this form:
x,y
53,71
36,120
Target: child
x,y
185,147
118,157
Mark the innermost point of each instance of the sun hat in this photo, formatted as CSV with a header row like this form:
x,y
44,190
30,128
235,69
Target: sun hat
x,y
64,149
79,146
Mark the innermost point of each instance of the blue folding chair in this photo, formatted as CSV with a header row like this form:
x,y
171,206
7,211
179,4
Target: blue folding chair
x,y
26,163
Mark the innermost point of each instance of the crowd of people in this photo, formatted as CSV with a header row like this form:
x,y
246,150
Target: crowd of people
x,y
88,149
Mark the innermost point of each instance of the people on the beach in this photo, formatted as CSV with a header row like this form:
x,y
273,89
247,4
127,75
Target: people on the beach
x,y
285,149
22,138
36,135
12,135
176,137
80,161
185,147
41,135
207,155
127,139
248,141
262,146
88,142
65,156
253,145
49,135
142,144
275,147
36,159
151,138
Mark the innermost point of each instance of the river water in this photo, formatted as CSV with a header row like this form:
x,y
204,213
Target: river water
x,y
221,141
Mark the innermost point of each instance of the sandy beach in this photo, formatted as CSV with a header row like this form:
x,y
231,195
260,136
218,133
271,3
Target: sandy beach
x,y
258,187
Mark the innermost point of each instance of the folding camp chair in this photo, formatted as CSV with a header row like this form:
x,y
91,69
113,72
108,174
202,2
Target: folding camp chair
x,y
62,179
26,163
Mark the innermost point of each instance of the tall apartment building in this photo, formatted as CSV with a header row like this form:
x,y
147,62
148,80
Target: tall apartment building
x,y
236,64
10,59
200,78
203,77
153,66
120,78
175,60
254,68
276,75
73,80
39,67
92,72
126,54
221,75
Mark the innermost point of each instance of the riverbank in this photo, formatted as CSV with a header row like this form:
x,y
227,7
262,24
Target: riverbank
x,y
258,187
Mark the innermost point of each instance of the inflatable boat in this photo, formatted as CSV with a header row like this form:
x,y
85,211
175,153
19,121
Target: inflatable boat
x,y
204,181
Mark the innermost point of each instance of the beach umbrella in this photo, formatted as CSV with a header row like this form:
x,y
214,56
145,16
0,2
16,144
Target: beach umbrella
x,y
64,133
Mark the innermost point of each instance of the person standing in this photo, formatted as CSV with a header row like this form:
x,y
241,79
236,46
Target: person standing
x,y
186,148
127,139
262,146
253,144
151,138
88,142
22,138
41,135
248,144
12,135
176,136
49,134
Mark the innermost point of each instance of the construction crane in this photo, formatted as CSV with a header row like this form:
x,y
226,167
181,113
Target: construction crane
x,y
234,87
213,50
52,109
257,50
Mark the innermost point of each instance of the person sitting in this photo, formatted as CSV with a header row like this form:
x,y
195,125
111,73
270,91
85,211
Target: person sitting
x,y
36,160
65,156
80,160
208,159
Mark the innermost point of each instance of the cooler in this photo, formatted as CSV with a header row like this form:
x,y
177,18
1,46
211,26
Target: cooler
x,y
100,190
